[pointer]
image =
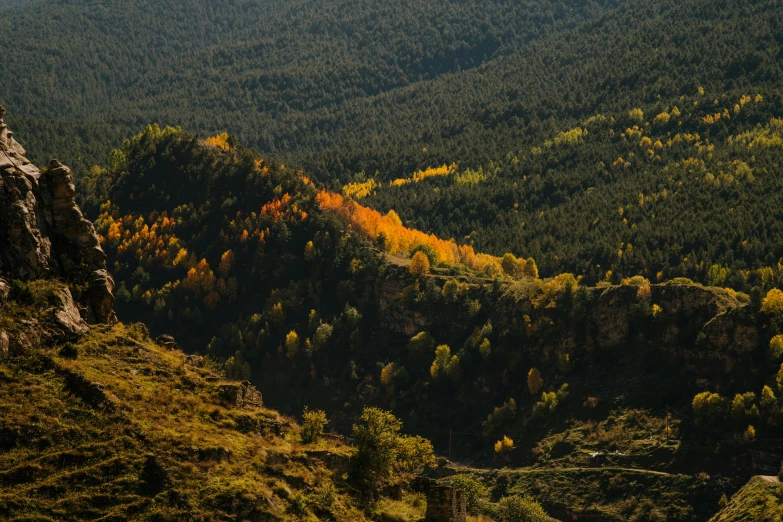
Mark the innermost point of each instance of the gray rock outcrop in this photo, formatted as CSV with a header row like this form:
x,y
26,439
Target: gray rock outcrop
x,y
43,233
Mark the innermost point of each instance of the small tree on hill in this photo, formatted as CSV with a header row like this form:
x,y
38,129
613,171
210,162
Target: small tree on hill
x,y
534,381
382,451
313,422
420,264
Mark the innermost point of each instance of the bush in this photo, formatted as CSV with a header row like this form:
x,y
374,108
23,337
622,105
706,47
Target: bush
x,y
313,422
69,351
534,381
504,446
20,292
421,343
520,509
500,416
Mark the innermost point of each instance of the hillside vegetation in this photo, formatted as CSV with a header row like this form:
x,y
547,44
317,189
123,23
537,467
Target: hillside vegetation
x,y
309,295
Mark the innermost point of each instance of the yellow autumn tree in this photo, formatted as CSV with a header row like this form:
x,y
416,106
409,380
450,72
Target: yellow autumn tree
x,y
226,262
534,381
420,264
291,343
773,303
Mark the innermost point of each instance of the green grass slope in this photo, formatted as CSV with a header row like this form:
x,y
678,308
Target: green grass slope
x,y
117,427
758,501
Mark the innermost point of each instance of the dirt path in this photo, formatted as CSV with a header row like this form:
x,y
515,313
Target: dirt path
x,y
557,470
769,478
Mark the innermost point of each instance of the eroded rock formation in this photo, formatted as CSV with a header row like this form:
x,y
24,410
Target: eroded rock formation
x,y
43,233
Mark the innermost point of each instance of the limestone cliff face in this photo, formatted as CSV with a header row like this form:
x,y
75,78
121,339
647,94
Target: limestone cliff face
x,y
43,233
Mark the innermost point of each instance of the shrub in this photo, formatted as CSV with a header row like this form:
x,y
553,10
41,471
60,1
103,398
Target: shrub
x,y
313,422
534,381
504,446
776,347
520,509
291,344
744,407
20,292
500,416
445,364
428,251
550,400
237,368
69,351
421,343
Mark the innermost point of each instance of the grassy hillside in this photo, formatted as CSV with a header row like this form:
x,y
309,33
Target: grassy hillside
x,y
117,427
759,501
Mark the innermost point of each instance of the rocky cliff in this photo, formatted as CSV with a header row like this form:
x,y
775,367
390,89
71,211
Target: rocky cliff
x,y
43,233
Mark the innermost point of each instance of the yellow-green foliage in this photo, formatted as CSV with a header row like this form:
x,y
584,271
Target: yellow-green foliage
x,y
504,445
534,381
758,501
773,303
710,407
313,422
636,114
360,190
570,137
776,347
500,416
92,453
445,364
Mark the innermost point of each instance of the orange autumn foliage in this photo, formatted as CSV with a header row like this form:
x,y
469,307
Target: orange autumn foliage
x,y
400,239
220,141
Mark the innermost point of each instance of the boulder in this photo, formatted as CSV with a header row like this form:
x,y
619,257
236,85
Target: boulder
x,y
67,316
194,360
5,290
240,395
4,344
166,341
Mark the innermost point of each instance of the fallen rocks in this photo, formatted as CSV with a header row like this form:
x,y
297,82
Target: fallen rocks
x,y
240,395
195,361
166,341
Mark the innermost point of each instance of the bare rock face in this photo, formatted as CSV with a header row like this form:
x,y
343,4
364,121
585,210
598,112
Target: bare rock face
x,y
44,234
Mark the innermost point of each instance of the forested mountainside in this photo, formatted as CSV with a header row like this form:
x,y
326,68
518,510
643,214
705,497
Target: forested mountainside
x,y
341,88
310,296
689,189
244,66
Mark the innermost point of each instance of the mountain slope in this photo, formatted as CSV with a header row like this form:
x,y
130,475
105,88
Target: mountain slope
x,y
115,426
240,67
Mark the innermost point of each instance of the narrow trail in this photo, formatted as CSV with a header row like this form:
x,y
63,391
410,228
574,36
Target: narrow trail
x,y
571,469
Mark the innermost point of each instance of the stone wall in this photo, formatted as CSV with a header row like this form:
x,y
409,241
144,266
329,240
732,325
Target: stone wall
x,y
445,504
